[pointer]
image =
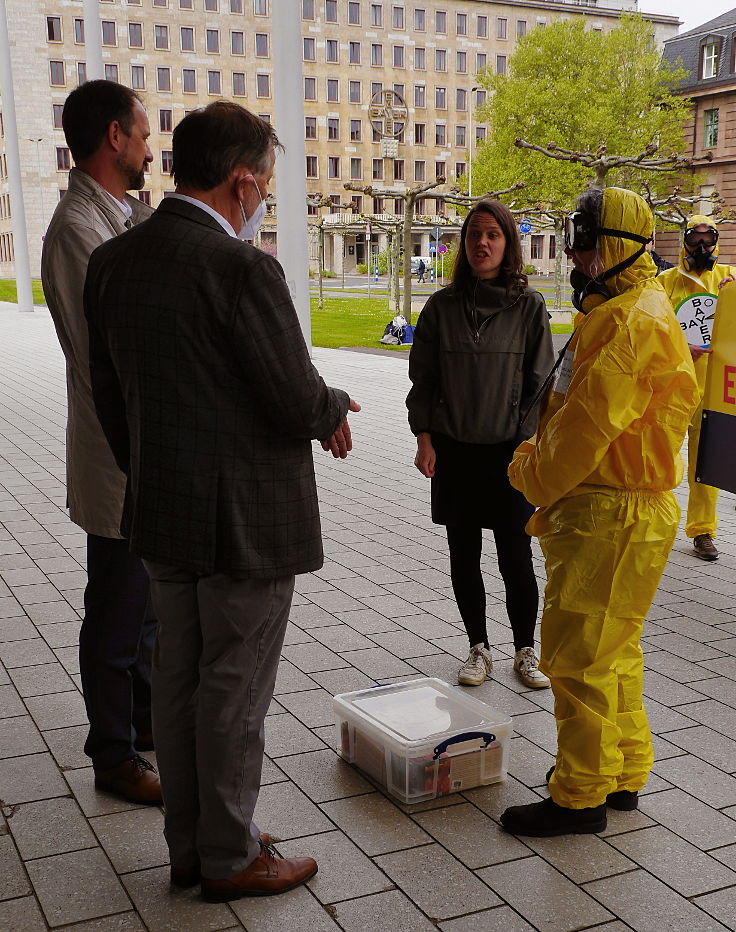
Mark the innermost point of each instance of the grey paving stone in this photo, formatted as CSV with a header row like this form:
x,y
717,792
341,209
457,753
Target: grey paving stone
x,y
93,802
689,818
312,707
284,913
27,778
50,826
662,718
322,775
285,812
16,629
497,797
23,577
59,710
668,691
10,607
286,735
584,858
374,823
404,644
19,736
378,663
13,879
165,910
717,715
29,595
21,915
133,840
49,613
340,637
25,653
720,905
678,669
77,886
366,621
121,922
557,904
642,901
345,680
427,626
69,659
291,680
310,658
345,872
62,634
390,910
500,919
41,680
685,647
708,745
67,746
698,778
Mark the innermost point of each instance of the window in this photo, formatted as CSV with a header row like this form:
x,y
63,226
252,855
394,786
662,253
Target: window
x,y
552,248
79,31
330,11
440,134
354,53
376,14
310,127
57,110
480,134
135,35
376,127
238,84
537,247
237,43
333,90
378,205
710,134
211,6
161,37
398,169
333,128
440,21
376,88
397,17
482,27
356,169
398,56
357,203
236,6
500,64
335,203
111,73
378,169
376,54
440,98
312,166
520,28
307,9
354,14
167,161
81,72
440,59
461,24
440,169
189,81
138,77
214,82
420,170
261,45
109,35
461,62
502,28
63,159
420,20
263,85
480,97
186,4
56,69
260,7
145,197
354,92
461,99
187,39
420,95
710,60
312,209
481,60
333,166
163,79
310,88
53,28
460,169
356,131
309,47
212,41
331,50
166,121
460,136
155,2
399,206
420,133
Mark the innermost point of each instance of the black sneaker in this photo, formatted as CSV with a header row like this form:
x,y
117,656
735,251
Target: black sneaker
x,y
546,818
704,547
623,800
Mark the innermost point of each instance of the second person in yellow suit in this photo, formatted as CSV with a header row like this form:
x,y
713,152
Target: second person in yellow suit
x,y
601,469
696,279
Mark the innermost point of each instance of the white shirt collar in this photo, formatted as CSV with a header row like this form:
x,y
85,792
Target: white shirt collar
x,y
208,210
124,206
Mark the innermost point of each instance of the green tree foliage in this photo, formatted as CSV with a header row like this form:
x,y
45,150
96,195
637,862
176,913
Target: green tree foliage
x,y
579,89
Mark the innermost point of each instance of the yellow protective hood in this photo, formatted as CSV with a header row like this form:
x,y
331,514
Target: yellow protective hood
x,y
627,211
695,221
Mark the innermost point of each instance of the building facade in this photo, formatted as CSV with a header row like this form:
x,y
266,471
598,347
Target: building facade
x,y
181,54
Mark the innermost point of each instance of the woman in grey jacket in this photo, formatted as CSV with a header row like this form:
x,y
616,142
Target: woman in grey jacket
x,y
482,349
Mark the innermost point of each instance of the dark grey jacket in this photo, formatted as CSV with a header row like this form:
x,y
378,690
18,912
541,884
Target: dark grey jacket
x,y
208,397
477,362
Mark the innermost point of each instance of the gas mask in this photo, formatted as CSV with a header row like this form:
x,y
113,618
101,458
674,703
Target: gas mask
x,y
252,224
699,246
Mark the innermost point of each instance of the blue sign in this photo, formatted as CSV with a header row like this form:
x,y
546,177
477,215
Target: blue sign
x,y
525,226
432,248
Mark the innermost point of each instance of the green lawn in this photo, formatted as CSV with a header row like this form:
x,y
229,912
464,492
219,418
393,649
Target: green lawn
x,y
9,293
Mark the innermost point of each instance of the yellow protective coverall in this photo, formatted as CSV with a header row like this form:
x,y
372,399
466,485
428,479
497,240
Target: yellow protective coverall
x,y
600,468
680,282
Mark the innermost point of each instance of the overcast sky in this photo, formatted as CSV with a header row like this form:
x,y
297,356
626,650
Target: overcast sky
x,y
692,14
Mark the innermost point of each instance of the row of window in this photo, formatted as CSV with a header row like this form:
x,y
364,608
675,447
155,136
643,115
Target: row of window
x,y
379,205
442,132
164,79
260,7
355,169
6,247
400,56
355,92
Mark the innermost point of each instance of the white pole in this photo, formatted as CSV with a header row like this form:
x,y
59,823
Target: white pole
x,y
291,182
15,187
93,40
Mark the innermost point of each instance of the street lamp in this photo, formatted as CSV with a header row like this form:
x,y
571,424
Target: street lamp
x,y
470,146
38,140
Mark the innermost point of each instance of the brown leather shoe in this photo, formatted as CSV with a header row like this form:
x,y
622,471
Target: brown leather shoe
x,y
135,780
185,877
266,876
704,547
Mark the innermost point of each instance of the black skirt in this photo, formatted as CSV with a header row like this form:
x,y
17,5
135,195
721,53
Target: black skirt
x,y
470,485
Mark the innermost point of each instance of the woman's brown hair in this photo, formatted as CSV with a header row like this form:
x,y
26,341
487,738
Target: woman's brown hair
x,y
512,268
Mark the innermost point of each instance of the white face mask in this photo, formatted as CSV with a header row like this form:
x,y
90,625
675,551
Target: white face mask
x,y
252,224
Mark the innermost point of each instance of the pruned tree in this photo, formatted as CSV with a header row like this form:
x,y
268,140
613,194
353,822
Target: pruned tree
x,y
676,208
319,200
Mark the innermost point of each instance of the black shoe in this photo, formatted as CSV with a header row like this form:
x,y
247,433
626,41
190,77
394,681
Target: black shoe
x,y
546,818
623,800
704,547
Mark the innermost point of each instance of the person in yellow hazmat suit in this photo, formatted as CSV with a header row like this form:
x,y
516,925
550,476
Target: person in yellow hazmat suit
x,y
600,470
692,287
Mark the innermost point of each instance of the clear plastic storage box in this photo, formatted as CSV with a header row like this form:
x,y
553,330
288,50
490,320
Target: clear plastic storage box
x,y
422,738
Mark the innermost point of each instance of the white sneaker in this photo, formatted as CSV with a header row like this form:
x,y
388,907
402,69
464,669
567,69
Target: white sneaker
x,y
526,664
476,668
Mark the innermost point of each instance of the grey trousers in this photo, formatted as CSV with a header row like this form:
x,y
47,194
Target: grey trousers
x,y
214,669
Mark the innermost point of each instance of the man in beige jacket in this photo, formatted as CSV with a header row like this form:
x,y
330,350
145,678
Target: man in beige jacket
x,y
106,129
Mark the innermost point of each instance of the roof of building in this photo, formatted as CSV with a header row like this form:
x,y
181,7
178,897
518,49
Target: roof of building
x,y
687,48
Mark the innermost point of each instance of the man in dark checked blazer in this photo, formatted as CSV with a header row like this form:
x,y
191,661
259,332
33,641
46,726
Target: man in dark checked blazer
x,y
207,395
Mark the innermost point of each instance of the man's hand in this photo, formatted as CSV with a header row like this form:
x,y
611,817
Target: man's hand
x,y
697,351
426,457
726,280
341,442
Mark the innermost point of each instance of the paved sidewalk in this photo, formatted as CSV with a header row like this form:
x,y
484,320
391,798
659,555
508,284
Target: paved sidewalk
x,y
380,609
